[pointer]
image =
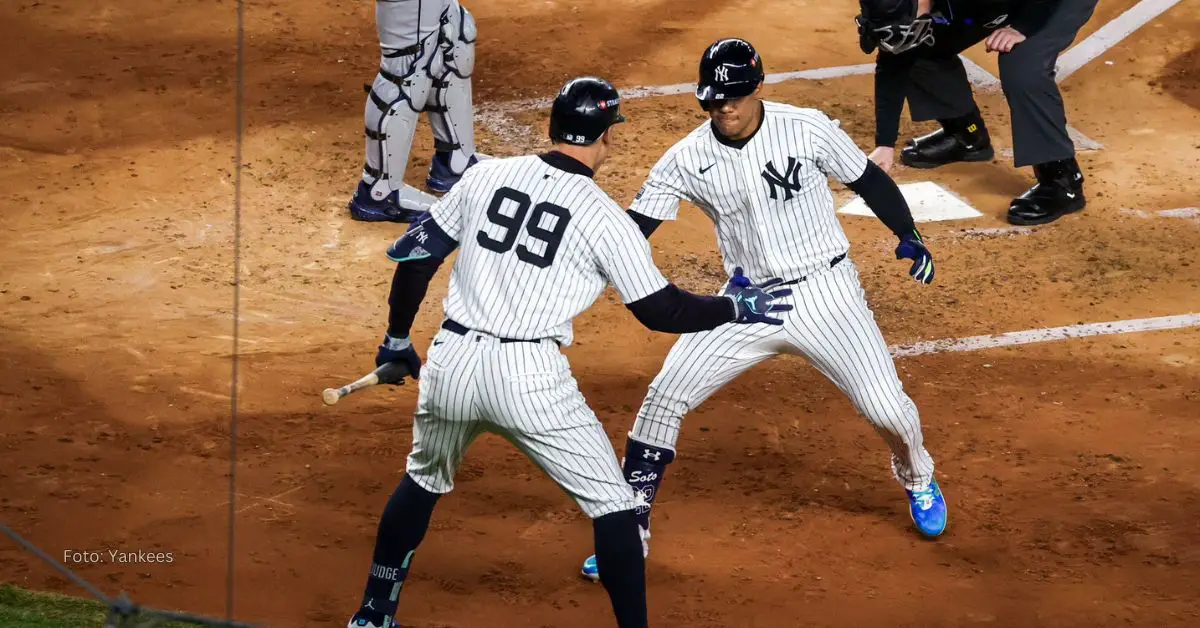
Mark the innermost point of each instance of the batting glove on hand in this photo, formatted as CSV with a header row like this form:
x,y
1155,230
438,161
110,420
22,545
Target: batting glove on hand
x,y
399,350
913,248
753,303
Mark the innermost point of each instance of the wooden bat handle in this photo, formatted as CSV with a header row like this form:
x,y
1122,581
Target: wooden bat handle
x,y
389,373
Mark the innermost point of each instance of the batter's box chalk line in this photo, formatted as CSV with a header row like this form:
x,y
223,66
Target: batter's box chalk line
x,y
1187,213
1031,336
928,201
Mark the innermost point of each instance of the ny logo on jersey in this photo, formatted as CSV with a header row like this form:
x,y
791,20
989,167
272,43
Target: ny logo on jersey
x,y
789,180
721,73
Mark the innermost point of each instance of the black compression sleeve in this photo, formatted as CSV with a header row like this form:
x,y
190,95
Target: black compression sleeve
x,y
675,311
644,222
883,196
409,283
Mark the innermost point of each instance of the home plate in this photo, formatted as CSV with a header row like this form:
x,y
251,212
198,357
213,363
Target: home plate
x,y
928,201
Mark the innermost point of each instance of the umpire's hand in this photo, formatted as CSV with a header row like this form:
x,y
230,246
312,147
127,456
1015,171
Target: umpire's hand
x,y
884,157
1004,39
753,303
399,350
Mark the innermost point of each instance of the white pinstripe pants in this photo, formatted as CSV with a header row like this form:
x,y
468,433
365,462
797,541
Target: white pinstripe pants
x,y
524,392
833,327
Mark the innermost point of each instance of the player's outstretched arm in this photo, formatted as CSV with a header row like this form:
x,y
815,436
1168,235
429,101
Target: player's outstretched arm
x,y
625,259
673,310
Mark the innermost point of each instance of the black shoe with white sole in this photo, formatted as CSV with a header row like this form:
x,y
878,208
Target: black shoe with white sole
x,y
1058,192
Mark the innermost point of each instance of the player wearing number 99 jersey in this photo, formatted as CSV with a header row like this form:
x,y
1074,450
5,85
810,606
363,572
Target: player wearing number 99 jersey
x,y
538,241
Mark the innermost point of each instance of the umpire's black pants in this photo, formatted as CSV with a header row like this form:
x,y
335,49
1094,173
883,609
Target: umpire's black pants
x,y
940,89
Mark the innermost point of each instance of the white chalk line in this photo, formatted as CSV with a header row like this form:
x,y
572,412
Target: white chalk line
x,y
497,117
1049,334
1188,213
1110,35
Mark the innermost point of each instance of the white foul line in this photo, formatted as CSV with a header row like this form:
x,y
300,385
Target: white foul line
x,y
1110,35
1030,336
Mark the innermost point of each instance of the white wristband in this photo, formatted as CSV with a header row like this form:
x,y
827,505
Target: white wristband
x,y
396,344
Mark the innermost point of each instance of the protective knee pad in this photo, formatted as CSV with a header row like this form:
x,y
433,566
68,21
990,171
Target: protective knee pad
x,y
451,113
394,102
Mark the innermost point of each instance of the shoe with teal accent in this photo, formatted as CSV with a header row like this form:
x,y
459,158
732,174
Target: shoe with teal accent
x,y
927,507
590,570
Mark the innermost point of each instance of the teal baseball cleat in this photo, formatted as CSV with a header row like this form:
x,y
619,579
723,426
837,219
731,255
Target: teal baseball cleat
x,y
927,507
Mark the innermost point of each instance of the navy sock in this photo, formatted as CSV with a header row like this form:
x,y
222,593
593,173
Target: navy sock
x,y
644,468
622,567
401,529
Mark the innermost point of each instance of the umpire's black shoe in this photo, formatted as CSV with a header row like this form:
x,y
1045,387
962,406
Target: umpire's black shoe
x,y
942,147
1058,192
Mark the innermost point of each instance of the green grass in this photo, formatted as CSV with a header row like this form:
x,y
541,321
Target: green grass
x,y
28,609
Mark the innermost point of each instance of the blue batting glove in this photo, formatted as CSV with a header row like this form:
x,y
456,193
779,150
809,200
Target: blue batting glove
x,y
913,247
753,303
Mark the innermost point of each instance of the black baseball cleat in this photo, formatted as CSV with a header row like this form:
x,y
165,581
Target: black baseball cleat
x,y
1058,192
942,147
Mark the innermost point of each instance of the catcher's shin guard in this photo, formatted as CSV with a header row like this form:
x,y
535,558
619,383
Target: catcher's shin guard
x,y
390,119
451,114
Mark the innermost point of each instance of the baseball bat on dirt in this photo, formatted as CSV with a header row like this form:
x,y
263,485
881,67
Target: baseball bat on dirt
x,y
389,373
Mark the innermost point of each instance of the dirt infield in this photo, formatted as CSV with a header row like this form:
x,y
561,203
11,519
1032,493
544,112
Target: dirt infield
x,y
1070,468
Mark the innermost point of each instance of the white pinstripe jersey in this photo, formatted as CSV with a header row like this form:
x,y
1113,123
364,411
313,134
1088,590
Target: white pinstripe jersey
x,y
770,200
402,23
537,246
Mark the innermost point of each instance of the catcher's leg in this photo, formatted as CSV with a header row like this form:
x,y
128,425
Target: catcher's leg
x,y
390,116
451,114
697,366
836,331
444,426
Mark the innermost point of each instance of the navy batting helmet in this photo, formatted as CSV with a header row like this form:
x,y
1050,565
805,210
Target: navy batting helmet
x,y
730,68
583,110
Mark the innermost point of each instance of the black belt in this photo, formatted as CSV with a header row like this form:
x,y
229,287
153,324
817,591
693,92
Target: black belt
x,y
833,262
463,330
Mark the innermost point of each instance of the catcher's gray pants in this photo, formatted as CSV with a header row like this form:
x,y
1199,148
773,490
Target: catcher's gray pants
x,y
831,325
939,88
524,392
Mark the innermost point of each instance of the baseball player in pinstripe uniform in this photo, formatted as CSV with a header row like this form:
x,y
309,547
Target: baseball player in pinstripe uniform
x,y
427,55
538,241
759,170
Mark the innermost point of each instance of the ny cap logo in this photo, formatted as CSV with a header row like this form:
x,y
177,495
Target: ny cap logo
x,y
722,73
